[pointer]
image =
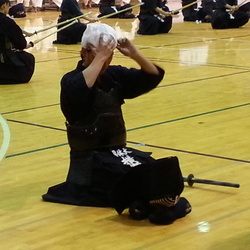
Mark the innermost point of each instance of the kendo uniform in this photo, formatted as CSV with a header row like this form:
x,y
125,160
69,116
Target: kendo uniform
x,y
103,171
189,13
17,11
224,19
16,65
73,33
245,8
204,13
151,22
108,7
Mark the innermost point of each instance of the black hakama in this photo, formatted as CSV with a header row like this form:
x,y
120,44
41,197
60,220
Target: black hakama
x,y
223,18
73,33
103,179
108,7
151,23
16,65
70,35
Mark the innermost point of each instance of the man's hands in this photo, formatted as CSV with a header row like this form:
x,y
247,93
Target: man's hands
x,y
26,33
30,45
105,47
91,20
125,46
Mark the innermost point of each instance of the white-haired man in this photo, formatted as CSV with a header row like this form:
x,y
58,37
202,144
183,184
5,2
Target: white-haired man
x,y
103,171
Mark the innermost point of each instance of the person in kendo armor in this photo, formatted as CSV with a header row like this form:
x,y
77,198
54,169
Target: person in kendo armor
x,y
154,17
72,34
103,171
111,6
16,65
229,15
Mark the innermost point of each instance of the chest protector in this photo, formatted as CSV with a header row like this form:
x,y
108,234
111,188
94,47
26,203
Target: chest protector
x,y
103,126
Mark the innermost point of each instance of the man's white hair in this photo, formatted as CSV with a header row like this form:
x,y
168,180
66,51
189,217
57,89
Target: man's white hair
x,y
93,32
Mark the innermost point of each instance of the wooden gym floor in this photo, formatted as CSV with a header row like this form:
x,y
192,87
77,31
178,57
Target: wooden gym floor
x,y
199,112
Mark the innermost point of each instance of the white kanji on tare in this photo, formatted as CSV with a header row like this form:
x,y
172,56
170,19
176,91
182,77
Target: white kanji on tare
x,y
125,158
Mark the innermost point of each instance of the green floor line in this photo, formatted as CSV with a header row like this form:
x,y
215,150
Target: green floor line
x,y
191,116
36,150
132,129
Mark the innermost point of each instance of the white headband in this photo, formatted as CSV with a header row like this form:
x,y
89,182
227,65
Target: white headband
x,y
93,32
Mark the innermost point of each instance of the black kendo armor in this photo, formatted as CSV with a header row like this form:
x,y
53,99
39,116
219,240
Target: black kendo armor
x,y
102,128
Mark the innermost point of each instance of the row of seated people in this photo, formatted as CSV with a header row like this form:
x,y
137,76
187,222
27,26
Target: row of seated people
x,y
41,5
203,13
154,18
221,14
30,5
21,7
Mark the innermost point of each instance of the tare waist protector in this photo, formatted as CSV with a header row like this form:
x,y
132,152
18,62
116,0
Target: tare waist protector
x,y
107,131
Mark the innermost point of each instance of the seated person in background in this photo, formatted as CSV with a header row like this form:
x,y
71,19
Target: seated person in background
x,y
36,5
112,6
228,15
204,14
103,171
16,65
154,18
245,8
189,13
17,11
73,33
